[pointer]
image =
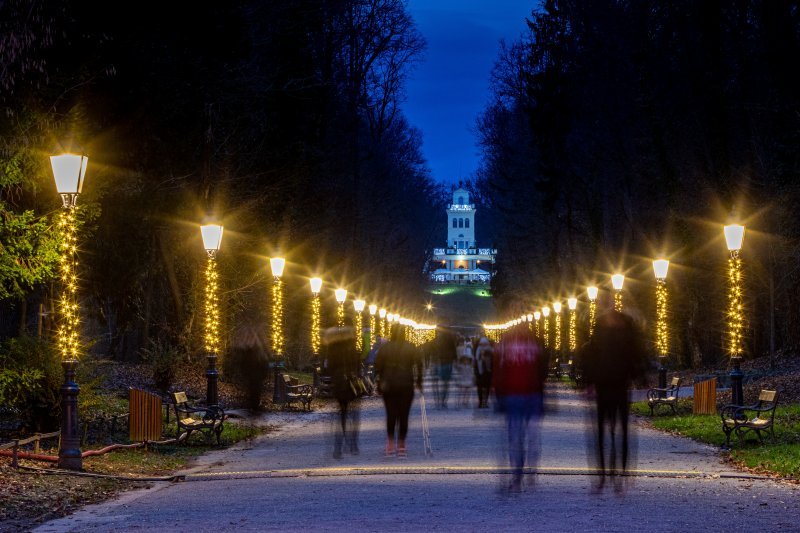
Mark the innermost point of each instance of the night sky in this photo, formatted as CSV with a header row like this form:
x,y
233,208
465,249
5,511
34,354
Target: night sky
x,y
449,88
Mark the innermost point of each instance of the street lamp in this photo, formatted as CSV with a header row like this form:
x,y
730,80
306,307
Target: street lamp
x,y
546,314
359,305
557,341
277,265
341,296
537,315
316,287
592,291
529,318
382,322
660,268
69,171
212,239
616,281
734,235
572,303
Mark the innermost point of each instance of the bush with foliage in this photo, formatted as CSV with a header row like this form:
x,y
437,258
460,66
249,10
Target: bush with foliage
x,y
30,379
164,359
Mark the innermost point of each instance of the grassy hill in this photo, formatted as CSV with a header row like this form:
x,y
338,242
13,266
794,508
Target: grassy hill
x,y
462,305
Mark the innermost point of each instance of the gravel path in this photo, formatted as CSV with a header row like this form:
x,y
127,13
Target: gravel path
x,y
288,480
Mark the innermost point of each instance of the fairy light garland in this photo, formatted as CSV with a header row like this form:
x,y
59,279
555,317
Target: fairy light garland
x,y
359,334
277,316
315,323
735,307
212,305
573,327
662,344
67,334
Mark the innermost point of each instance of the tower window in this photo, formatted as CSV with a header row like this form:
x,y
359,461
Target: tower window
x,y
466,222
460,200
455,222
460,222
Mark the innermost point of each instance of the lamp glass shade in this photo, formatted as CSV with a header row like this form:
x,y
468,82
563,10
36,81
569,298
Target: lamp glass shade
x,y
557,307
546,311
382,313
358,305
341,295
734,235
316,285
373,309
592,292
537,315
572,303
212,236
617,280
530,317
660,267
277,264
69,171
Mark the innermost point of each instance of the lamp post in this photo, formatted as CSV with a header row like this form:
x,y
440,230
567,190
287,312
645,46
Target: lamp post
x,y
660,268
69,171
572,304
277,264
537,315
358,305
529,318
734,235
212,238
592,291
341,296
616,281
382,322
316,287
557,340
372,333
546,333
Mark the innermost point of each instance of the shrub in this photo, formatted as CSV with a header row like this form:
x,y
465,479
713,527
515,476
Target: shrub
x,y
30,379
164,359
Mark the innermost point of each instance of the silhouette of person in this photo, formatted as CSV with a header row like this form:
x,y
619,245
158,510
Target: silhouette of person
x,y
519,371
611,361
444,357
343,362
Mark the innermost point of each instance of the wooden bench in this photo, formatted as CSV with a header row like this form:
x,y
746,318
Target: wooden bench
x,y
294,392
758,417
208,420
667,396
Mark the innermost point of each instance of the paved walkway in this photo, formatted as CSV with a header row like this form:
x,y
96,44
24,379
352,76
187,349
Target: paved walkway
x,y
288,480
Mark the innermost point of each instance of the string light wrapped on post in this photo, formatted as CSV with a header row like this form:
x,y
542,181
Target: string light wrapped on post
x,y
372,333
277,265
341,296
557,338
69,171
384,332
546,328
734,235
537,315
592,293
617,280
359,305
529,318
572,304
316,287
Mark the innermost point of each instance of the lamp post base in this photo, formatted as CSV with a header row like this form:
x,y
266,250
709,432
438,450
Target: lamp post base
x,y
277,385
212,375
736,375
69,449
662,371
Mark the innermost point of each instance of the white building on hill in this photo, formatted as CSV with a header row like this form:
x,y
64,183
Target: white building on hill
x,y
461,261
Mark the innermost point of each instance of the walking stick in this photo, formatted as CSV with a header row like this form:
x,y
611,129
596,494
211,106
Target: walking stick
x,y
426,431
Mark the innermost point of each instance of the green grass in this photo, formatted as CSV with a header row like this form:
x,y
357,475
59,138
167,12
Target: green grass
x,y
780,457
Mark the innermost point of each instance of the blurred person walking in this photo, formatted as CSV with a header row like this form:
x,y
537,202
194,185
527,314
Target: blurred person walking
x,y
343,362
611,361
519,371
398,368
483,371
444,355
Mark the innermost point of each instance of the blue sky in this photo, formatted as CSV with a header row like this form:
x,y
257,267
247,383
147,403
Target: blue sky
x,y
450,86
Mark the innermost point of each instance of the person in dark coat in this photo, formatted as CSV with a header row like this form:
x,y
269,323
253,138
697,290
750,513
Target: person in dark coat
x,y
343,364
444,355
483,371
611,361
398,368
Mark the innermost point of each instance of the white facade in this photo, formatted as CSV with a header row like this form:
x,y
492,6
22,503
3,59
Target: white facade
x,y
461,261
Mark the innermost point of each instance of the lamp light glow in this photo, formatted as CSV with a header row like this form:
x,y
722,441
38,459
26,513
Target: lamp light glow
x,y
373,309
341,295
212,237
660,268
546,311
69,171
734,235
557,307
592,292
382,313
617,280
537,315
277,264
316,285
359,305
572,303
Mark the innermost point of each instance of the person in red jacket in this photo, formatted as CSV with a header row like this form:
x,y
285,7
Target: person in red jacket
x,y
518,373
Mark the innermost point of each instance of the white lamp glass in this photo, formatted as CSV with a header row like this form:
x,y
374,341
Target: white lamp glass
x,y
277,264
592,292
660,267
69,171
382,313
537,315
546,311
212,236
557,307
316,285
341,295
572,303
734,235
373,309
617,280
358,305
